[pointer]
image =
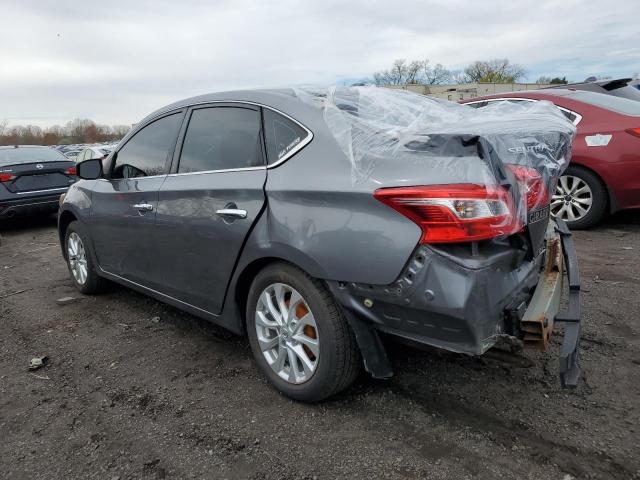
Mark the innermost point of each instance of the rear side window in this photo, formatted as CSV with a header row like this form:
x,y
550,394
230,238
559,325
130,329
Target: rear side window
x,y
147,152
221,138
476,104
283,136
570,115
610,102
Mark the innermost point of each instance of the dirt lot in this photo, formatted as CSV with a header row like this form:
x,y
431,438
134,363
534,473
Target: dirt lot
x,y
136,389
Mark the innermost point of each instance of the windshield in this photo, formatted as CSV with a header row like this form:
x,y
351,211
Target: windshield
x,y
14,156
609,102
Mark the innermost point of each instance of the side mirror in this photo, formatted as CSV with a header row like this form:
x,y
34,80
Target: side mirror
x,y
89,169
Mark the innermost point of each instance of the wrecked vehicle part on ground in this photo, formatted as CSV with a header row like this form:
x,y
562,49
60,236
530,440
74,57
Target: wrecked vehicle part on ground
x,y
313,219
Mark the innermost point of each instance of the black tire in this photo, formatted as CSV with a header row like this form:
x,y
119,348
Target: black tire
x,y
339,359
93,283
600,197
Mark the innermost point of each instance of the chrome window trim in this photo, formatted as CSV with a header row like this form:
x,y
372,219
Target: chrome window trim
x,y
280,161
132,178
225,170
42,191
576,121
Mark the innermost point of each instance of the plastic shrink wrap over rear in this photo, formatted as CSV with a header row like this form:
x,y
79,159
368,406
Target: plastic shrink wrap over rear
x,y
525,147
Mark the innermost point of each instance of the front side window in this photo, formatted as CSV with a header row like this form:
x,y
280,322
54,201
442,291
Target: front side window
x,y
282,135
221,138
147,152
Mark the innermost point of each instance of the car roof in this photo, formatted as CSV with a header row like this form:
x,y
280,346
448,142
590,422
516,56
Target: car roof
x,y
282,98
610,84
524,94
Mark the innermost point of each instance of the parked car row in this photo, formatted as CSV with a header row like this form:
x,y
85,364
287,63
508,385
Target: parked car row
x,y
79,152
604,175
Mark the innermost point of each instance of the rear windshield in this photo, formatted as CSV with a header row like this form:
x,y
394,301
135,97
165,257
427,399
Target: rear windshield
x,y
610,102
14,156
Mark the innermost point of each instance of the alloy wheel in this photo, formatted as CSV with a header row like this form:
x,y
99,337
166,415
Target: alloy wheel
x,y
572,200
287,333
77,258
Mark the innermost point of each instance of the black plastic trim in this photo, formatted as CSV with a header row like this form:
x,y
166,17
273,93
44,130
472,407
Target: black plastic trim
x,y
571,318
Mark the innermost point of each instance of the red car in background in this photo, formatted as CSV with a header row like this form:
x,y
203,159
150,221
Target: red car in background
x,y
604,174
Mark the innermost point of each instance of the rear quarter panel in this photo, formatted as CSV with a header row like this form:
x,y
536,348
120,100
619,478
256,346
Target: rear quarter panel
x,y
319,213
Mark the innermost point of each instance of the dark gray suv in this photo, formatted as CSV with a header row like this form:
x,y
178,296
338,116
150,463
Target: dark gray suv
x,y
304,221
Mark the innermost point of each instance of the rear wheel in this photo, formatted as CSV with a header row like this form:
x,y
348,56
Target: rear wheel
x,y
298,335
79,260
580,198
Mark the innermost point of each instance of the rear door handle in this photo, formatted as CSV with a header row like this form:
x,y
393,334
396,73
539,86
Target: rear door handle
x,y
232,212
143,207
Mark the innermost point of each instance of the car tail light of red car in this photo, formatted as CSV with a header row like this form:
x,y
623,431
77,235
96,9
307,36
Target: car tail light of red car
x,y
634,131
454,213
6,177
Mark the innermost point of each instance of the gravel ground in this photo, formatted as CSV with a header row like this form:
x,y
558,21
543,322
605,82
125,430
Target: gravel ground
x,y
137,389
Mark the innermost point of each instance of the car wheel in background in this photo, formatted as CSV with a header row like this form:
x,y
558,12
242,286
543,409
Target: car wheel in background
x,y
580,198
79,260
298,334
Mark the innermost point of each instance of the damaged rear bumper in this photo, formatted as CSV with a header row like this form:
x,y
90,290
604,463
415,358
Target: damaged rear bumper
x,y
466,303
542,314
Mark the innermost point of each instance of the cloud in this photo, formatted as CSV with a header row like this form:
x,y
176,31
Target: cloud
x,y
116,61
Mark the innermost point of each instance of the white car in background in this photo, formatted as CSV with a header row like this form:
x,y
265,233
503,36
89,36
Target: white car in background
x,y
94,151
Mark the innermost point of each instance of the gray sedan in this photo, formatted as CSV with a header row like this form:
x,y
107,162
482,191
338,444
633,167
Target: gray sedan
x,y
312,222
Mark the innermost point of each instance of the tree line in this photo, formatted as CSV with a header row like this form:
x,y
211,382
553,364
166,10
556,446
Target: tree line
x,y
422,72
79,130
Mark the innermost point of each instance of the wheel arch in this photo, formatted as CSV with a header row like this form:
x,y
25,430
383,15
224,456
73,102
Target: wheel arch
x,y
245,279
64,220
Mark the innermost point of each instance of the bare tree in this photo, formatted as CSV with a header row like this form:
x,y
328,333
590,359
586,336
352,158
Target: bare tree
x,y
414,72
499,70
543,80
120,131
434,75
75,131
458,77
398,73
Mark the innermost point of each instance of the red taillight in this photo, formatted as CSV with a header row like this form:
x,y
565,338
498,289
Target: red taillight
x,y
454,213
633,131
71,171
530,184
6,177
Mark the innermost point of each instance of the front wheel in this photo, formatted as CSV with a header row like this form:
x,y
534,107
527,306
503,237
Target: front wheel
x,y
580,198
79,260
298,335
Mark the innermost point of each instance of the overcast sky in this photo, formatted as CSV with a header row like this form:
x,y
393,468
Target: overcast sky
x,y
115,61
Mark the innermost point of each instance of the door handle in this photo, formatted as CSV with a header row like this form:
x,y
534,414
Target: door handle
x,y
143,207
232,212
